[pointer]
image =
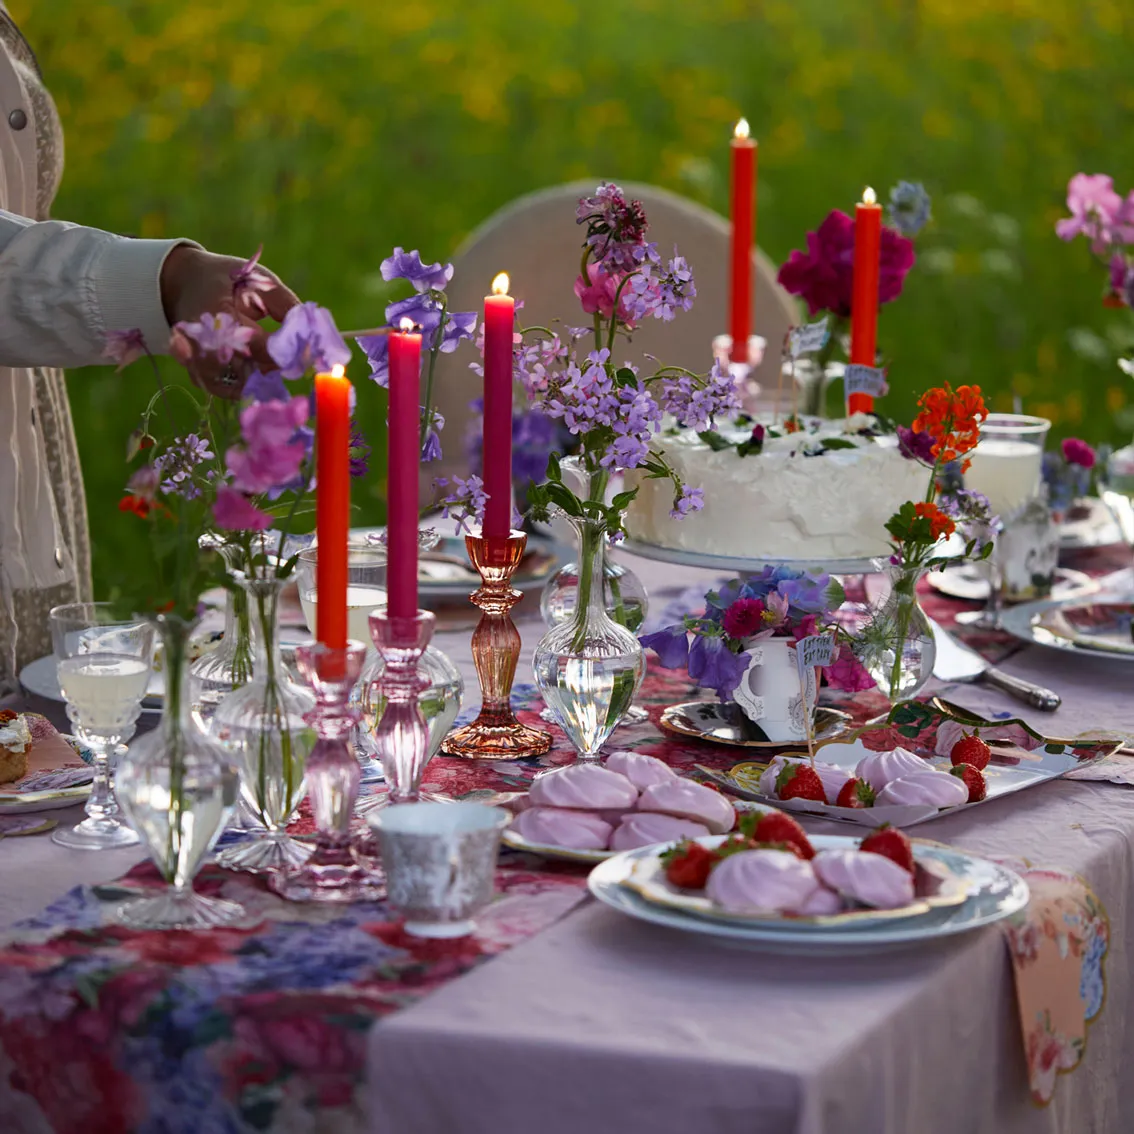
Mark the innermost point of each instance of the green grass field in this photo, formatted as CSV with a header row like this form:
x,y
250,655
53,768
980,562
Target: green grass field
x,y
333,130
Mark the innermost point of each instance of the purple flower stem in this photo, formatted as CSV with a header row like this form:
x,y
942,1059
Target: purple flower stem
x,y
434,349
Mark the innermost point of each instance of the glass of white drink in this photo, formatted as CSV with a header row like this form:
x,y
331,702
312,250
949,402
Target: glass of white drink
x,y
104,665
1118,492
366,587
1007,466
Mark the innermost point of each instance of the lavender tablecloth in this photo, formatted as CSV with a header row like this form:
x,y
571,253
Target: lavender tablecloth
x,y
601,1023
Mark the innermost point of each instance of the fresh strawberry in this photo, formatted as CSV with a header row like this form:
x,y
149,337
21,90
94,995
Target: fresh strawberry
x,y
688,864
890,843
970,749
855,793
973,779
776,827
800,781
7,715
790,848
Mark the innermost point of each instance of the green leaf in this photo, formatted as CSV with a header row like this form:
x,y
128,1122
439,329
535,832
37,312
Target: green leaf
x,y
626,377
553,471
832,443
562,496
622,500
714,440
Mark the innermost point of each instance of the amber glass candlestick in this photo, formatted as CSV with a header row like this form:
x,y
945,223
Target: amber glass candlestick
x,y
496,734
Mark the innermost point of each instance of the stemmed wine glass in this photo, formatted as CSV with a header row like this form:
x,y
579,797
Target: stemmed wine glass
x,y
104,665
1007,466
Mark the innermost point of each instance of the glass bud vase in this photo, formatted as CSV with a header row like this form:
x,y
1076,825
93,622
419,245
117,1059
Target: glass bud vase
x,y
229,666
624,595
439,701
263,725
896,645
177,788
589,668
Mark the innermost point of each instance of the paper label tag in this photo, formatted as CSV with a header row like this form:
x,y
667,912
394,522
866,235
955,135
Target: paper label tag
x,y
818,649
859,379
808,338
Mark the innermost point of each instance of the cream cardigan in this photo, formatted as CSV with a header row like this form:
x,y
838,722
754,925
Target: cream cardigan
x,y
62,288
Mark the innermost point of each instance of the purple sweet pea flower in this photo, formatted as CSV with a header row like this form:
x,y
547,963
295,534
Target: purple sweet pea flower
x,y
459,325
915,446
234,512
124,347
307,340
377,350
421,310
268,387
671,644
408,266
1096,211
220,334
359,452
712,665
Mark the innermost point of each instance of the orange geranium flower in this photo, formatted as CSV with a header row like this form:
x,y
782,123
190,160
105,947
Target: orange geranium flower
x,y
940,524
952,418
139,505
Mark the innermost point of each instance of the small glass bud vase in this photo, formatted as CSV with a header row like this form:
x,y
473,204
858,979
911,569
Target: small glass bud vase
x,y
264,725
333,873
896,646
624,595
229,666
177,788
589,668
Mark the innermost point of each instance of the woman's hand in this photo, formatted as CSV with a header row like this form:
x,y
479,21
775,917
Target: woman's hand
x,y
193,282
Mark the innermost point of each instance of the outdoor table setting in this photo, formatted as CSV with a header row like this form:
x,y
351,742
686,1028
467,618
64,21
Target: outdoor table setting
x,y
794,802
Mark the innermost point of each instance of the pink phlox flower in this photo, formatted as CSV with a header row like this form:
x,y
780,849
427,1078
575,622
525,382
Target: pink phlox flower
x,y
248,280
234,512
124,347
222,335
596,294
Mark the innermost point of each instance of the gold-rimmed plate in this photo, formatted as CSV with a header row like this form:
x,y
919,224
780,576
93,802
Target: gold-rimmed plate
x,y
724,722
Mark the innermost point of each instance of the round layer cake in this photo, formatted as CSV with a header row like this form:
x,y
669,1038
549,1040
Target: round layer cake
x,y
824,492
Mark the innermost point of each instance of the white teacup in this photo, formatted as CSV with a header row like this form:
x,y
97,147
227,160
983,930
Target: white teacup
x,y
440,862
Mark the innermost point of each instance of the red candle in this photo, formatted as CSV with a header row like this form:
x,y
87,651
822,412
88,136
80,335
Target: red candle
x,y
403,466
743,235
864,294
499,323
332,505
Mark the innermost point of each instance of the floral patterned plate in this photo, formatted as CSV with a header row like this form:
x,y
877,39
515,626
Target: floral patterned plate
x,y
53,781
725,723
516,841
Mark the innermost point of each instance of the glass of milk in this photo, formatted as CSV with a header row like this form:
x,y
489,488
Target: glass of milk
x,y
104,665
366,587
1007,466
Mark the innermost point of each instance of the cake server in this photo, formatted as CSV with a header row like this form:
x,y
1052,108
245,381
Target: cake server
x,y
957,662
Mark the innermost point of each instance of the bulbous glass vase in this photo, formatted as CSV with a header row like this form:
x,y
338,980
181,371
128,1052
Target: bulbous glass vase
x,y
264,726
896,645
177,788
589,667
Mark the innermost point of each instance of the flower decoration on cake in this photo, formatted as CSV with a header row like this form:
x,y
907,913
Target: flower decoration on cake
x,y
779,602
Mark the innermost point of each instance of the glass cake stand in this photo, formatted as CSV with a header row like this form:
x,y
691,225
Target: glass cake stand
x,y
740,565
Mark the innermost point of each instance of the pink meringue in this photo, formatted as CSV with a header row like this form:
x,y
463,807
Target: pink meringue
x,y
558,827
879,768
583,786
821,903
690,800
641,770
832,776
644,828
869,879
930,787
761,880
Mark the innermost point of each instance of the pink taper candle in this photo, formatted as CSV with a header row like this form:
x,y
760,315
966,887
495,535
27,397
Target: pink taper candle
x,y
499,321
404,461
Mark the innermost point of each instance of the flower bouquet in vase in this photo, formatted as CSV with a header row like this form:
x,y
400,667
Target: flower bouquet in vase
x,y
744,648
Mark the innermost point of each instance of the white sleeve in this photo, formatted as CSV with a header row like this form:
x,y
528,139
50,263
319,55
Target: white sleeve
x,y
63,287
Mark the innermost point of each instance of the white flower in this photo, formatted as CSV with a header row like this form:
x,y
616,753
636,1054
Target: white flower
x,y
859,423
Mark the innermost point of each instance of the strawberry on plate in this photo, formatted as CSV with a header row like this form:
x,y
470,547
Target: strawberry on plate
x,y
970,749
800,781
687,865
892,844
973,779
855,793
776,827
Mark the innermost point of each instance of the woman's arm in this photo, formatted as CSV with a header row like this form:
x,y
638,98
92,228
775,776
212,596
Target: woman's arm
x,y
63,287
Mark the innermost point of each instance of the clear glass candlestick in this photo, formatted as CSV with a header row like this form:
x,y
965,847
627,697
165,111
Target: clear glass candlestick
x,y
333,873
496,734
401,735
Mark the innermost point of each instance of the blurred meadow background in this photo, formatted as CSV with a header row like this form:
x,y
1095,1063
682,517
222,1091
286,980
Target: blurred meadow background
x,y
331,130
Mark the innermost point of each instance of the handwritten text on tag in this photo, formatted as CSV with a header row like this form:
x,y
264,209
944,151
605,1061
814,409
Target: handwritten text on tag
x,y
818,649
808,338
859,379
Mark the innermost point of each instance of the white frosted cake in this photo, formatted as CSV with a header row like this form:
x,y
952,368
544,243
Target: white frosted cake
x,y
796,498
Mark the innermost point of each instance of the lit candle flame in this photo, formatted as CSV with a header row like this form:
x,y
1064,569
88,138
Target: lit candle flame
x,y
406,324
868,197
500,284
338,370
742,130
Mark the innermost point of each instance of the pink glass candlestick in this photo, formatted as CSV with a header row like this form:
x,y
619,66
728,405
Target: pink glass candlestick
x,y
401,735
496,734
333,873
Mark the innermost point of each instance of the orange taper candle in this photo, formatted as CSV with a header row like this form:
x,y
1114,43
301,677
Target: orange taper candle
x,y
743,209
